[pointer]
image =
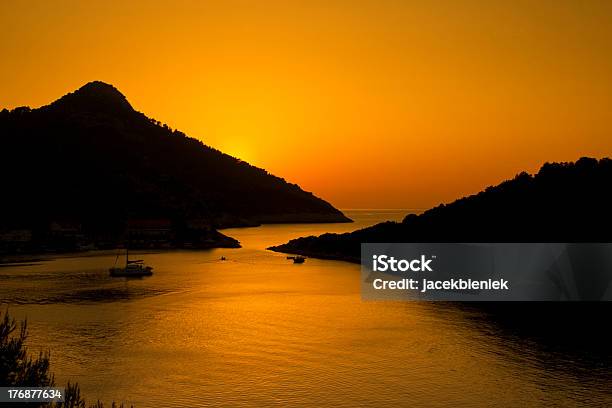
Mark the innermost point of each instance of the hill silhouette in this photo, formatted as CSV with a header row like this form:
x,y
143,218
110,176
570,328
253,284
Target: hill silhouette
x,y
90,168
563,202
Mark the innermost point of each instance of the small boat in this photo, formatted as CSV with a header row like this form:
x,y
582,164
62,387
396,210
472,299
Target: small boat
x,y
298,259
223,258
133,268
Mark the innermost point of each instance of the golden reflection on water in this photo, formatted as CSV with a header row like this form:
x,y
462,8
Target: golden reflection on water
x,y
256,330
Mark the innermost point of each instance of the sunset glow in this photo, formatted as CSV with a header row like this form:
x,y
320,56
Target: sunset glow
x,y
370,104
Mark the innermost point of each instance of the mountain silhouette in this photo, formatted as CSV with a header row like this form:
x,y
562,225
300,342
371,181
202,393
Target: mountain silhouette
x,y
95,98
563,202
90,168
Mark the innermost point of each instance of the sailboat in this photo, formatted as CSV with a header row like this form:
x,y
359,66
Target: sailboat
x,y
133,268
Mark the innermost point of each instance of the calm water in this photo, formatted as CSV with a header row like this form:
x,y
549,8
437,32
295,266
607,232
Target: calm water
x,y
256,330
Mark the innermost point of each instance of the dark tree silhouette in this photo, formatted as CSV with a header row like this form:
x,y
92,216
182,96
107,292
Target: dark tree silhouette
x,y
19,369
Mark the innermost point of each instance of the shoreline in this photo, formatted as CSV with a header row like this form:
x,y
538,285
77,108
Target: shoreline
x,y
228,242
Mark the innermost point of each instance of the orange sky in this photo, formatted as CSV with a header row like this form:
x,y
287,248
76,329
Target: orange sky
x,y
369,104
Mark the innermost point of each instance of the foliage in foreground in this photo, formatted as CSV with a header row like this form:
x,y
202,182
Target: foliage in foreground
x,y
19,369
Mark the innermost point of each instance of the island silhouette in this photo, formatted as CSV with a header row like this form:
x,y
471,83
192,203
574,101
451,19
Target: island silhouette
x,y
89,171
563,202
